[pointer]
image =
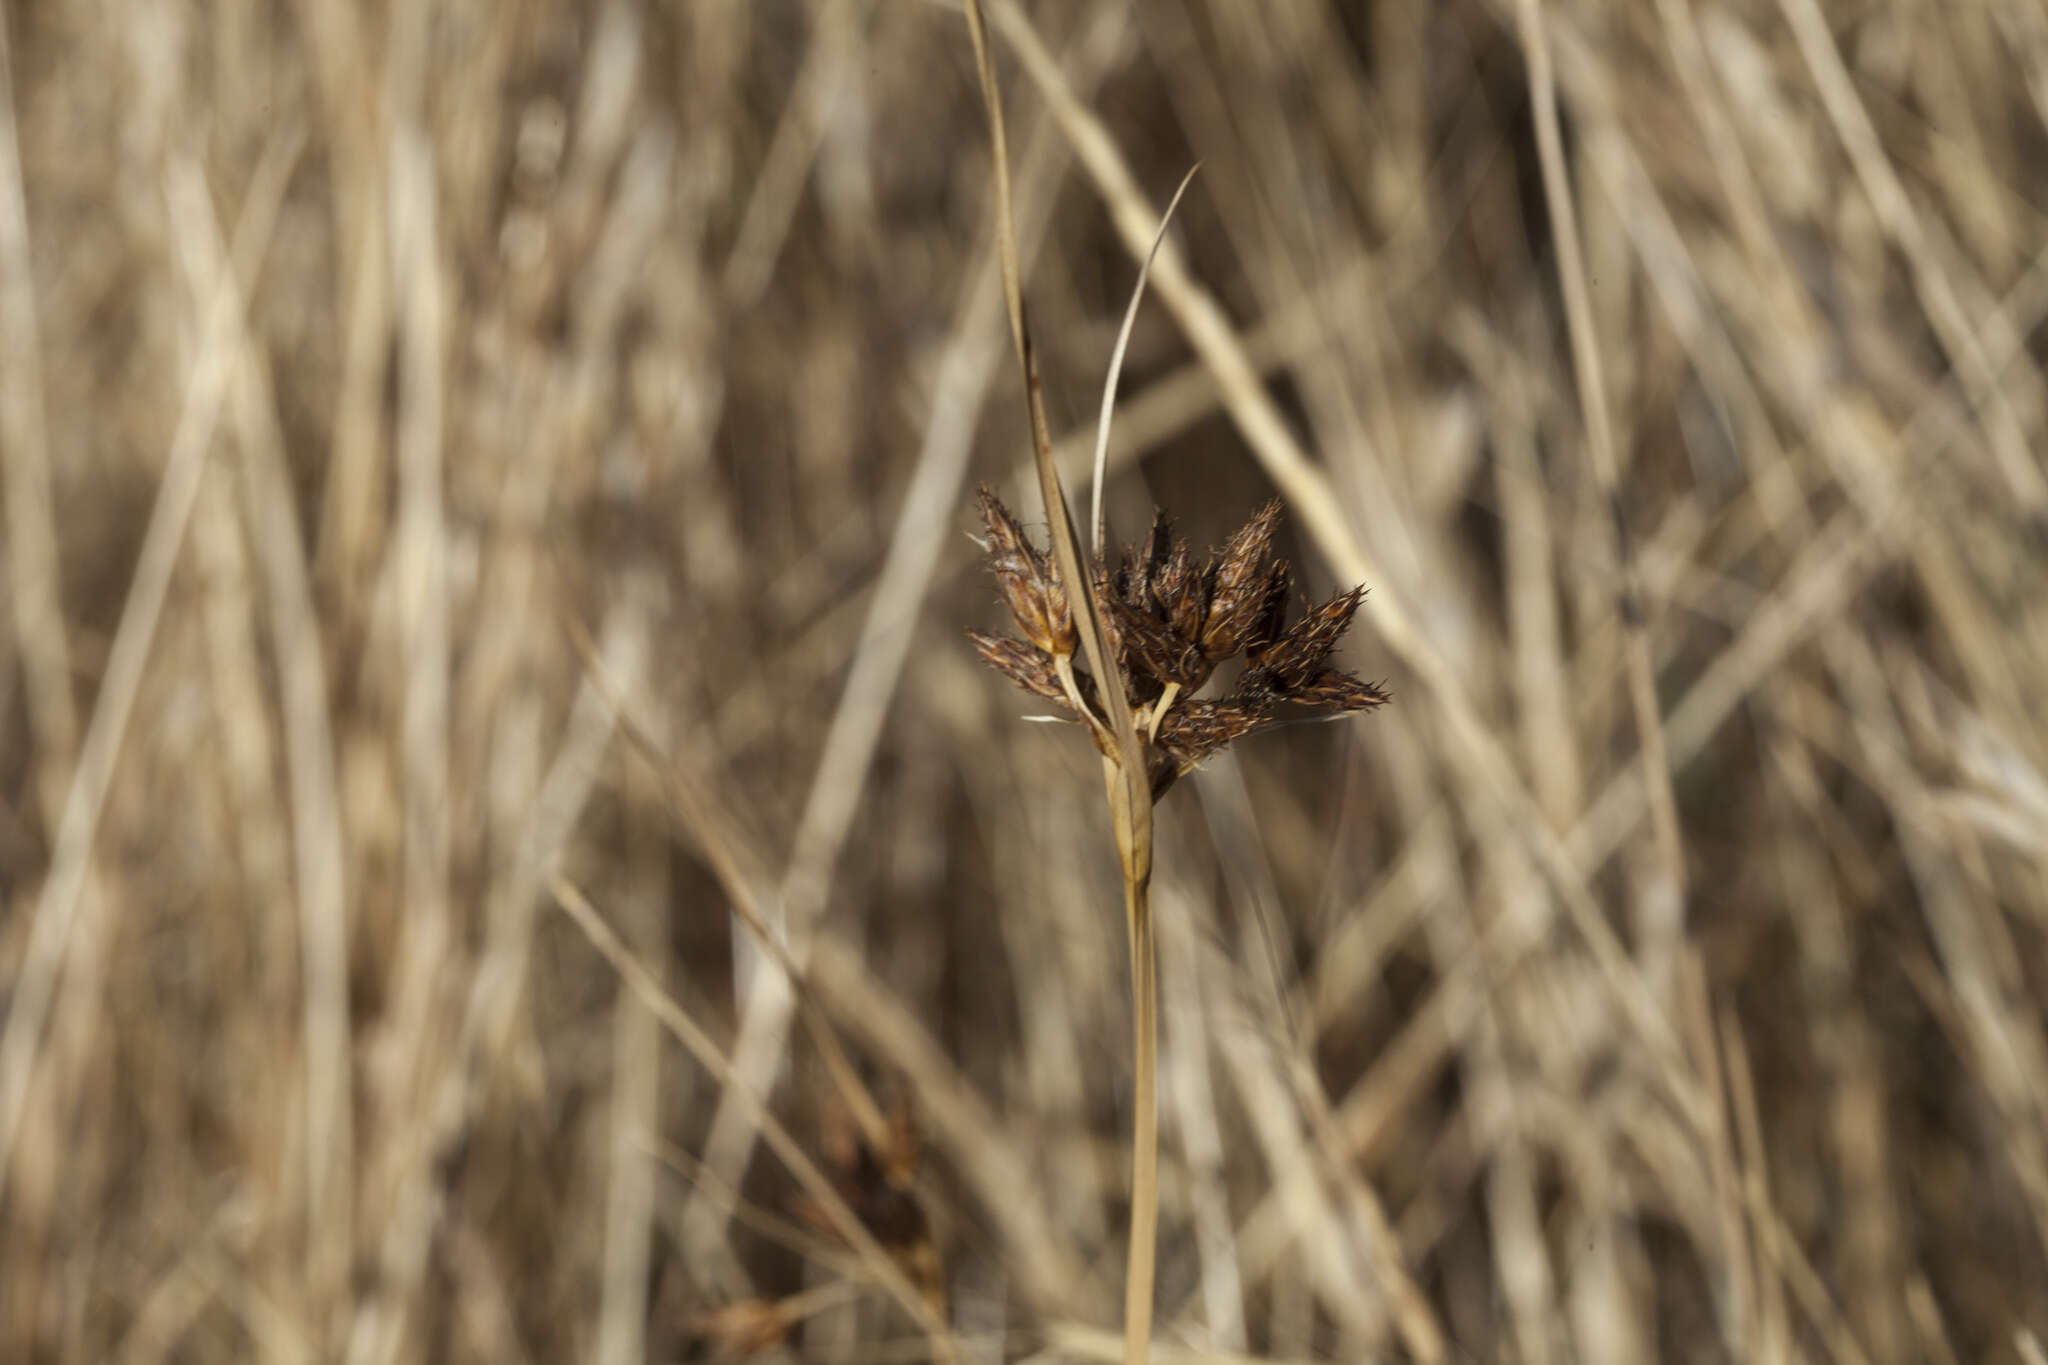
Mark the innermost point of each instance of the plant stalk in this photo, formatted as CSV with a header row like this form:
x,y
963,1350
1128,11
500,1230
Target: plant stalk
x,y
1144,1220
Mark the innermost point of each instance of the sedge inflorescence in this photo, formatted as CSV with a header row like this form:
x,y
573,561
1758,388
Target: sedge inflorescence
x,y
1169,623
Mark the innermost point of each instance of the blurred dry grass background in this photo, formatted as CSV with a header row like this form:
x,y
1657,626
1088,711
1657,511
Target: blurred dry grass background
x,y
457,454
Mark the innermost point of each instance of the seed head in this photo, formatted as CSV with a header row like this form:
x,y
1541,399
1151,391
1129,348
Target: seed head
x,y
1168,625
1030,588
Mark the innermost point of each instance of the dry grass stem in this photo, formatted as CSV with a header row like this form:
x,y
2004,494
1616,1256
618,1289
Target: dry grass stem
x,y
1661,918
1078,615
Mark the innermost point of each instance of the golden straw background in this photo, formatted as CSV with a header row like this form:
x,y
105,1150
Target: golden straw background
x,y
486,505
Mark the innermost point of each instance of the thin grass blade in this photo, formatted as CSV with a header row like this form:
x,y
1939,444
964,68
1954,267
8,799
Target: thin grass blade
x,y
1116,358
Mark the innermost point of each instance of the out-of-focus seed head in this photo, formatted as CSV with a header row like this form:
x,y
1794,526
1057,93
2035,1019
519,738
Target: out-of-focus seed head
x,y
742,1329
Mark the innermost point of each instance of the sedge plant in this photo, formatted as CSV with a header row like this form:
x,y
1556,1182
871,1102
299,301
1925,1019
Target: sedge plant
x,y
1125,651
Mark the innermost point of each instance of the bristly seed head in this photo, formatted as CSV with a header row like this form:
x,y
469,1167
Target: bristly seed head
x,y
1029,586
1168,624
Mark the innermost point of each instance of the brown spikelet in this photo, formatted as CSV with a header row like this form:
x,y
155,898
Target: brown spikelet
x,y
1021,664
1111,597
1293,660
1196,729
1270,623
1159,543
1030,589
1237,597
1181,592
1153,654
1130,586
1335,690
